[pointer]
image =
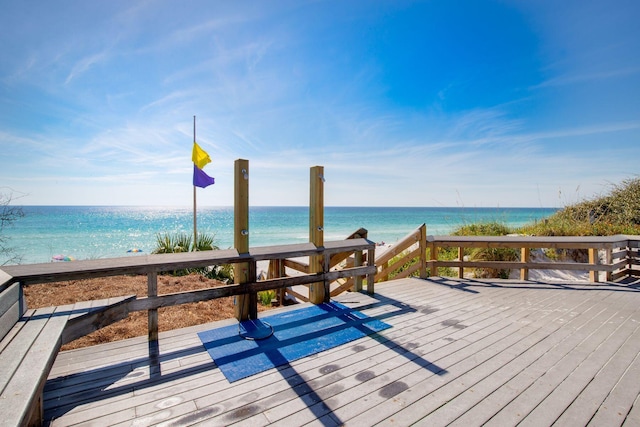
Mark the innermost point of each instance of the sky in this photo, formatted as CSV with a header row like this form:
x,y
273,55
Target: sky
x,y
514,103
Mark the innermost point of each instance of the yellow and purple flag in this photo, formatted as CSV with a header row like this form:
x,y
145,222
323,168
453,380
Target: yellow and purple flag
x,y
199,156
200,159
201,179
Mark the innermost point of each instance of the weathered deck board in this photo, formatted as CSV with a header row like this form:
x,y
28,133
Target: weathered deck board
x,y
476,359
520,352
460,352
483,399
431,335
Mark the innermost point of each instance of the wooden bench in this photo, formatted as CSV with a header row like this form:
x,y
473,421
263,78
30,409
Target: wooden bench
x,y
30,341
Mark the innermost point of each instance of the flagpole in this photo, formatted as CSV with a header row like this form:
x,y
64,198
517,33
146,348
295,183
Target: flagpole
x,y
195,227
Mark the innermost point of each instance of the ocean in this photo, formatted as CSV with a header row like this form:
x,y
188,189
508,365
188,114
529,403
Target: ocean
x,y
91,232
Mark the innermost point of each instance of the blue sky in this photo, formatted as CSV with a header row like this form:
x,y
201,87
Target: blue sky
x,y
404,103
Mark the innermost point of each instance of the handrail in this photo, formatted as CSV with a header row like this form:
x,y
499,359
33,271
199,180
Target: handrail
x,y
277,269
405,257
151,265
58,271
561,242
619,259
409,256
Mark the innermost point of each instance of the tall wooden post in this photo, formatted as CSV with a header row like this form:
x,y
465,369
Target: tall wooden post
x,y
152,315
316,230
241,271
422,244
152,325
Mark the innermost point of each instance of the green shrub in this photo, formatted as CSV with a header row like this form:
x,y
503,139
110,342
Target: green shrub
x,y
171,244
492,228
182,242
405,266
266,297
223,272
206,243
493,254
483,229
447,254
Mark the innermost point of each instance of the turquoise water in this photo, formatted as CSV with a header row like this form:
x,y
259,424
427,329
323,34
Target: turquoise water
x,y
89,232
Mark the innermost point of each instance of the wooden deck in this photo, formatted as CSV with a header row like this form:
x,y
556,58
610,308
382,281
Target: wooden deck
x,y
460,352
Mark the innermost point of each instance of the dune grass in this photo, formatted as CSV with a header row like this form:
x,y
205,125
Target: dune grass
x,y
617,212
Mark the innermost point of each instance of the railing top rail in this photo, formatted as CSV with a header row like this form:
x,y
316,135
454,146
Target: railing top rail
x,y
142,264
347,245
403,244
139,264
536,240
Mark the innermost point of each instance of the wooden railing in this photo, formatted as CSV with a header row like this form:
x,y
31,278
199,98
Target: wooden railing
x,y
405,258
338,261
151,265
345,261
620,254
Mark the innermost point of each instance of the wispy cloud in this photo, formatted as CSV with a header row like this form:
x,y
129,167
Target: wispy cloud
x,y
580,78
85,64
587,130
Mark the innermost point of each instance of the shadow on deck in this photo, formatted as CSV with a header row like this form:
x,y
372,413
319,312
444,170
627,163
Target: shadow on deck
x,y
460,351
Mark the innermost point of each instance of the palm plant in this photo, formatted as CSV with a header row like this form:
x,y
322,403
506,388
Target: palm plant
x,y
171,244
181,242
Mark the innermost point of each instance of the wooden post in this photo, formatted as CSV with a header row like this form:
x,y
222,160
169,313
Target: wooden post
x,y
461,258
357,262
371,278
276,270
525,256
609,255
316,230
152,322
383,267
593,260
433,252
152,315
252,277
243,309
422,244
326,267
630,257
